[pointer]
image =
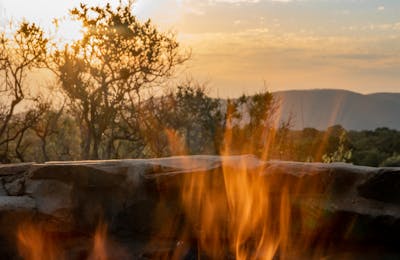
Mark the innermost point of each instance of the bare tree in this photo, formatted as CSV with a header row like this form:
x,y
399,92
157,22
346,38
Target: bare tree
x,y
21,52
20,125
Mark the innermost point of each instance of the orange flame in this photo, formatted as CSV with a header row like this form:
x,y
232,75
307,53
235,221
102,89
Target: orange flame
x,y
104,247
34,243
233,215
238,210
99,251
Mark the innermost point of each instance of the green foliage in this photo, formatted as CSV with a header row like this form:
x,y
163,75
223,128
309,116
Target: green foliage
x,y
393,161
251,125
198,118
370,148
261,108
341,154
373,147
186,116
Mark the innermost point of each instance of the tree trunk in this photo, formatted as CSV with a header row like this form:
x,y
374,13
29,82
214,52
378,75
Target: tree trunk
x,y
20,156
44,150
95,149
85,143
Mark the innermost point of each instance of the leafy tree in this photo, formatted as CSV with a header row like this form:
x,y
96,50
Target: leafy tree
x,y
253,124
199,118
186,115
104,73
307,144
284,145
261,108
372,148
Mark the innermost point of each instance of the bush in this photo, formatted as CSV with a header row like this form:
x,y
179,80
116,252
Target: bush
x,y
393,161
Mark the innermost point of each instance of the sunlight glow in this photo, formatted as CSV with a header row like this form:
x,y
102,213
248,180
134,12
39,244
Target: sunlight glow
x,y
44,13
69,31
240,44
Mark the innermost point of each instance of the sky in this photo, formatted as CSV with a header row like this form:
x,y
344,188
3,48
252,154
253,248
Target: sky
x,y
244,46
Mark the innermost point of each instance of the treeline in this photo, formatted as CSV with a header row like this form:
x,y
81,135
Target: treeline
x,y
182,121
379,147
185,121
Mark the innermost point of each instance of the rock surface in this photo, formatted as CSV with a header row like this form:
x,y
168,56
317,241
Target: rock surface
x,y
347,204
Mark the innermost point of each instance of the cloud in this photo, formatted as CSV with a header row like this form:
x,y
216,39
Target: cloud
x,y
291,43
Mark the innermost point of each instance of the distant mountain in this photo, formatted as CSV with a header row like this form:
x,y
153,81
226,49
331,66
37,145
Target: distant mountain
x,y
321,108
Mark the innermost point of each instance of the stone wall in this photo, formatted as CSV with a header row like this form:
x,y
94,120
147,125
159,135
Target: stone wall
x,y
360,206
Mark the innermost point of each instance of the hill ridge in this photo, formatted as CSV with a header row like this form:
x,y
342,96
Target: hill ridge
x,y
321,108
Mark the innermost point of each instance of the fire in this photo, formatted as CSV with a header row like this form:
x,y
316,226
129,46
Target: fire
x,y
231,214
99,251
104,247
34,243
239,211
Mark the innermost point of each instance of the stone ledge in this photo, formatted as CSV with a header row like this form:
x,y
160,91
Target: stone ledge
x,y
126,193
